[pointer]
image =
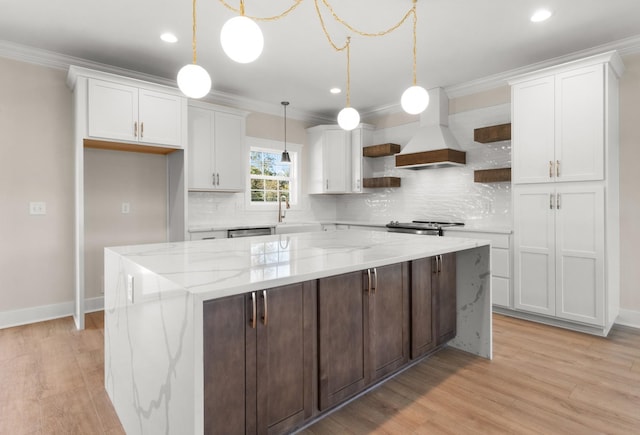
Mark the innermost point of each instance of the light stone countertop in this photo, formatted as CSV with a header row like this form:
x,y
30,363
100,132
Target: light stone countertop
x,y
216,268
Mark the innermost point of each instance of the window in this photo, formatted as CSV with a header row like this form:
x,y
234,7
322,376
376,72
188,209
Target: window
x,y
269,178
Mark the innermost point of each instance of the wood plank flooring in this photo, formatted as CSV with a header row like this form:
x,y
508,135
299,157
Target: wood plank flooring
x,y
542,380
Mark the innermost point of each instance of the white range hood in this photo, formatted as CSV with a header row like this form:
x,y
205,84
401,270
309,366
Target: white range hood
x,y
432,145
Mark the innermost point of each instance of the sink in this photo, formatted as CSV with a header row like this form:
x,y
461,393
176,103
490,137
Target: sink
x,y
297,227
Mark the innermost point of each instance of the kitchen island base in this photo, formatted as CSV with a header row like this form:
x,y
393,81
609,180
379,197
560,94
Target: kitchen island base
x,y
154,322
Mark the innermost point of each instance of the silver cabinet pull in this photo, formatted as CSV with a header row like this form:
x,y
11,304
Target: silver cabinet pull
x,y
135,129
440,265
551,201
254,314
327,184
218,179
435,267
369,280
213,178
558,168
142,129
265,316
550,169
375,280
558,201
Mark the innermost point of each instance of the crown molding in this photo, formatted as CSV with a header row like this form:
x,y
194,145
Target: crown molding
x,y
58,61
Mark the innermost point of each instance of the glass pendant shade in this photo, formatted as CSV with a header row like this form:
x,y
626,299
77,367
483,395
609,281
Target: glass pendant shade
x,y
194,81
348,118
242,39
414,100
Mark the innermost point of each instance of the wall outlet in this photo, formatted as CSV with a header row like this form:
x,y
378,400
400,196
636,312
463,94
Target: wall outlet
x,y
126,208
37,208
130,288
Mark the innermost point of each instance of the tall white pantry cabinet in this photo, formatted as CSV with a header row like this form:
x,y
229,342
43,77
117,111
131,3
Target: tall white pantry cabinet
x,y
565,163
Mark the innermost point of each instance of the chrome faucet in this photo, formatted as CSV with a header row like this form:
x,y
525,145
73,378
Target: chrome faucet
x,y
281,212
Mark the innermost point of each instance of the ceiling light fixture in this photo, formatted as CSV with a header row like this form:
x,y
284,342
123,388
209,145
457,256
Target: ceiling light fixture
x,y
416,98
348,118
335,90
285,155
540,15
241,38
193,80
169,37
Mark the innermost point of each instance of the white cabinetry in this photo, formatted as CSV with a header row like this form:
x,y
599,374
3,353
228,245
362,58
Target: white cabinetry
x,y
217,155
559,239
361,137
329,162
566,194
121,112
558,126
501,261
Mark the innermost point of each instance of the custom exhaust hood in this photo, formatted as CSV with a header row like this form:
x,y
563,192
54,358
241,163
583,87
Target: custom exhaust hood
x,y
433,145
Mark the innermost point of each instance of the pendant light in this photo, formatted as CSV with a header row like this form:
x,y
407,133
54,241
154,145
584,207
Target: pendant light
x,y
285,154
241,38
415,99
193,80
348,118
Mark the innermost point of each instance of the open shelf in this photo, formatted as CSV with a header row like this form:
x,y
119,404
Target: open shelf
x,y
492,175
382,150
380,182
494,133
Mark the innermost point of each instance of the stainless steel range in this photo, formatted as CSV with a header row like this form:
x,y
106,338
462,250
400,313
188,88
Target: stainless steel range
x,y
427,228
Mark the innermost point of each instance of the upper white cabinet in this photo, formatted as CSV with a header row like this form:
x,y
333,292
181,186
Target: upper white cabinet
x,y
329,162
558,124
121,112
218,159
361,137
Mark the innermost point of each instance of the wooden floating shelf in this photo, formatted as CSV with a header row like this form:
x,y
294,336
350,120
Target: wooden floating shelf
x,y
494,133
130,147
380,182
492,175
382,150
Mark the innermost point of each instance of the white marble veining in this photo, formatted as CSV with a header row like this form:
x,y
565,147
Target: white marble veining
x,y
154,296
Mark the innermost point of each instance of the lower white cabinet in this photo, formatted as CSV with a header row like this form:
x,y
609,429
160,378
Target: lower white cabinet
x,y
501,261
560,251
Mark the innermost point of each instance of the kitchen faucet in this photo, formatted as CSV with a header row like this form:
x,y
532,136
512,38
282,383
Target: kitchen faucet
x,y
281,212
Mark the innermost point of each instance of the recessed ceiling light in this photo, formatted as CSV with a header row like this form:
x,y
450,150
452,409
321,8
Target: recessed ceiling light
x,y
540,15
169,37
335,90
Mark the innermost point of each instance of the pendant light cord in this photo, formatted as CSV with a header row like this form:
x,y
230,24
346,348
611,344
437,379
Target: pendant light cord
x,y
415,42
193,38
348,71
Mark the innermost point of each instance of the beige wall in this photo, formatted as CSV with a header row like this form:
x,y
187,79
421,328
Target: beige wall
x,y
111,178
630,184
272,127
36,164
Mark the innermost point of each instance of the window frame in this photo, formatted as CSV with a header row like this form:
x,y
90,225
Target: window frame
x,y
272,146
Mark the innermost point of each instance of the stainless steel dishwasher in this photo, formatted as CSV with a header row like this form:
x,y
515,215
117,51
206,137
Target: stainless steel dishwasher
x,y
249,232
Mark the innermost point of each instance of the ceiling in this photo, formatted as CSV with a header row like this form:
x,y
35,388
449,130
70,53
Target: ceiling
x,y
458,41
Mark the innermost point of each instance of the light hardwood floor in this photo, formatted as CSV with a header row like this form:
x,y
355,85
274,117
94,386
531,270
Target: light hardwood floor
x,y
542,380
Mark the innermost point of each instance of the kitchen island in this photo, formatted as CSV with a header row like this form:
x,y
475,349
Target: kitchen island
x,y
162,370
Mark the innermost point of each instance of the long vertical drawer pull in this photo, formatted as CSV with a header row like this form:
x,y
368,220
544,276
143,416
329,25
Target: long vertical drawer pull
x,y
435,268
558,168
265,316
440,264
254,316
550,169
375,275
369,280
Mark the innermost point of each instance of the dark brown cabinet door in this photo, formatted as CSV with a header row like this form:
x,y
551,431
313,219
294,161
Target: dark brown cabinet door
x,y
343,337
258,375
225,353
284,357
389,319
445,300
422,304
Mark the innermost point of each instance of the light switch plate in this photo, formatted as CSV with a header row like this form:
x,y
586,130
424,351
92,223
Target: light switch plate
x,y
37,208
126,208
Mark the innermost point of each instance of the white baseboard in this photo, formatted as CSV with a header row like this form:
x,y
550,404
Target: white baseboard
x,y
42,313
629,318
